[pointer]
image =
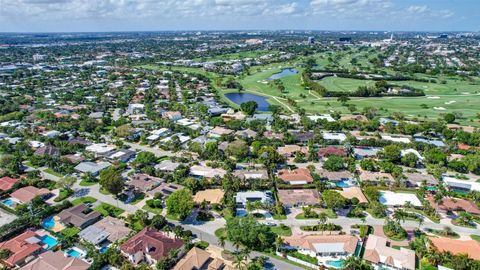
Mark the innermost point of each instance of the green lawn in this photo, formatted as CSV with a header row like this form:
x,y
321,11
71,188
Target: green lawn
x,y
221,231
282,230
109,210
87,199
52,172
152,210
85,183
475,237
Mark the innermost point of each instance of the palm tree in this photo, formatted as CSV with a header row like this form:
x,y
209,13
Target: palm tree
x,y
322,217
238,261
420,222
352,263
278,242
221,240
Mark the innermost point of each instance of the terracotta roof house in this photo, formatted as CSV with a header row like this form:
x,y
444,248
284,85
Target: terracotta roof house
x,y
209,195
80,216
290,150
378,253
456,247
21,247
26,194
47,150
144,182
51,260
7,183
298,197
197,259
353,192
149,245
219,131
330,151
454,204
322,245
300,176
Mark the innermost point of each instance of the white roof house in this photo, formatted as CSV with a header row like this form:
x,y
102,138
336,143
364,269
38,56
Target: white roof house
x,y
100,148
398,199
334,136
399,139
453,182
243,197
327,117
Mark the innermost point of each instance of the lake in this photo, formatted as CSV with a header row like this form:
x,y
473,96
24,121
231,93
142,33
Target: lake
x,y
285,72
239,98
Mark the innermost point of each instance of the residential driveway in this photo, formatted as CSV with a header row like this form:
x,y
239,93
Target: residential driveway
x,y
6,217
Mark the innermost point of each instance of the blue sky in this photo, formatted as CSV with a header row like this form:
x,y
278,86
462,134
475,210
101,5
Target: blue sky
x,y
151,15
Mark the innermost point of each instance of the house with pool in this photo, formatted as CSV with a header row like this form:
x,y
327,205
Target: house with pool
x,y
379,252
329,250
25,195
80,216
341,179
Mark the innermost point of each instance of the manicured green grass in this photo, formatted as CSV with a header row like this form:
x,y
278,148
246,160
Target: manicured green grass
x,y
172,217
221,231
87,199
85,183
282,230
52,172
475,237
109,210
104,191
152,210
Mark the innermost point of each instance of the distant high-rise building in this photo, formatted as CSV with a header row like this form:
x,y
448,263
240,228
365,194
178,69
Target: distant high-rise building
x,y
345,39
311,40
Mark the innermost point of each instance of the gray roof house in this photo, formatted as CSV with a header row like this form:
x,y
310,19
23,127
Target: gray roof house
x,y
92,167
79,216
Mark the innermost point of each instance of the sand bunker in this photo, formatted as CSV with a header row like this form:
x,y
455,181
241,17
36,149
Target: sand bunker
x,y
439,108
433,97
450,102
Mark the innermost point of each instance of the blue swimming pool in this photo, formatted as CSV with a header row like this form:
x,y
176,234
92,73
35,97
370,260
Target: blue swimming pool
x,y
49,241
74,253
48,222
8,202
335,264
103,249
342,184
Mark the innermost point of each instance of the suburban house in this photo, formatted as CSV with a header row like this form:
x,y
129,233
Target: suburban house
x,y
376,177
335,176
332,151
149,246
378,252
199,259
122,155
241,198
93,168
212,196
144,182
417,179
26,194
251,174
334,136
365,152
448,204
80,216
298,197
218,131
291,150
47,150
300,176
109,229
207,172
462,185
167,166
456,247
100,148
6,183
165,189
322,245
21,247
353,192
55,260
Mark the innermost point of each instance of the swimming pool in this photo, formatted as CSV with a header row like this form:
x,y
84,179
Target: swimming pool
x,y
73,252
49,241
8,202
103,249
342,184
48,222
335,264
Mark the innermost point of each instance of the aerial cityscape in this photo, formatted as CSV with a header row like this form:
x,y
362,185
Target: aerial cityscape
x,y
160,135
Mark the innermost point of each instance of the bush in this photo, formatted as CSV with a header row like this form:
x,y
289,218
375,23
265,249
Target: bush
x,y
322,227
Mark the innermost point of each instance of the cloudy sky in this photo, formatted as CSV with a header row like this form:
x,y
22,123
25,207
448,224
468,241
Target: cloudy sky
x,y
132,15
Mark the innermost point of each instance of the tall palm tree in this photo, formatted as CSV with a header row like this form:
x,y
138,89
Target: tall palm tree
x,y
221,240
238,261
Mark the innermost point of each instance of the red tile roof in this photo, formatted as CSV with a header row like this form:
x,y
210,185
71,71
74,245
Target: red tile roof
x,y
468,247
20,247
152,242
7,183
331,150
451,204
300,174
26,194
